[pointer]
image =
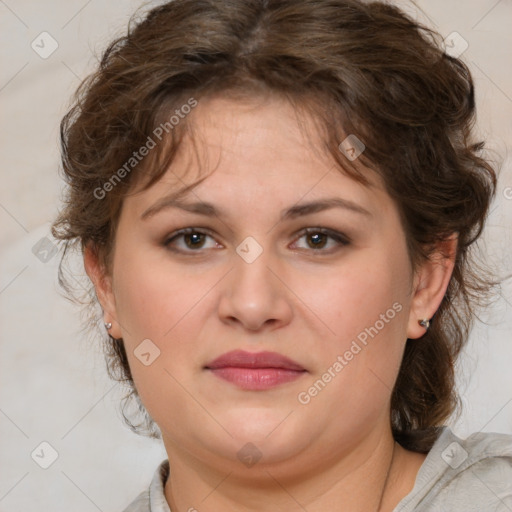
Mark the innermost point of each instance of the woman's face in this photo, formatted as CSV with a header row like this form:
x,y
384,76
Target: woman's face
x,y
339,301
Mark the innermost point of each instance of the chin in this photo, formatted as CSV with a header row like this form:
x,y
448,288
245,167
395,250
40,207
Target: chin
x,y
274,432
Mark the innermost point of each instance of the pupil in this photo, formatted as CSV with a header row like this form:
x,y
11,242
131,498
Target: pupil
x,y
193,239
317,239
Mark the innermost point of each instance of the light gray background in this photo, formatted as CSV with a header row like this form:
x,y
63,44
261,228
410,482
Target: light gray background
x,y
53,384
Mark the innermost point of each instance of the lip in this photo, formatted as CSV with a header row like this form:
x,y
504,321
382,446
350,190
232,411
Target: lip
x,y
255,370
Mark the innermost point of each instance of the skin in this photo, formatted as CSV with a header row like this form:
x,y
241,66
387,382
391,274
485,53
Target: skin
x,y
335,452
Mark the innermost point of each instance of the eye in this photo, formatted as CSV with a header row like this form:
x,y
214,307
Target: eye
x,y
192,240
317,239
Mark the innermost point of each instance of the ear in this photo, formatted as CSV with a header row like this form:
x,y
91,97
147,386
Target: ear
x,y
430,283
103,285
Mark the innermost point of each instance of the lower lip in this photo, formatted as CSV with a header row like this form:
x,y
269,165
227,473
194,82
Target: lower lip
x,y
256,378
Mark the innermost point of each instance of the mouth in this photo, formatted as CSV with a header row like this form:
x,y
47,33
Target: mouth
x,y
255,370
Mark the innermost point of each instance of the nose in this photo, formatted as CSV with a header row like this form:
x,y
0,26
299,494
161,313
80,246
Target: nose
x,y
254,295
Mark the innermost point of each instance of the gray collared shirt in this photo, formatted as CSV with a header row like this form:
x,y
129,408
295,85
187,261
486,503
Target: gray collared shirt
x,y
471,475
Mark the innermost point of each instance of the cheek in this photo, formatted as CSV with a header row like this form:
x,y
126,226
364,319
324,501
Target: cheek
x,y
358,295
358,368
155,302
153,296
141,293
366,307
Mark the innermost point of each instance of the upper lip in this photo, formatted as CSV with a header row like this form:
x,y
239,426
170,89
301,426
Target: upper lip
x,y
243,359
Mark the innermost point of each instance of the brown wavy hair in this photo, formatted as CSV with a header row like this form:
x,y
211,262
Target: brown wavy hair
x,y
356,67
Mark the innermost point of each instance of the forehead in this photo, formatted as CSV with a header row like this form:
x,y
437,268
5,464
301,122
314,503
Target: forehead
x,y
260,152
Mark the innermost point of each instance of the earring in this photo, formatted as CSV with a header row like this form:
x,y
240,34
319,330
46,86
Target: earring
x,y
108,326
424,323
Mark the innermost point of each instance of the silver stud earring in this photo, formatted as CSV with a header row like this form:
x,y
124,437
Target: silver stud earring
x,y
424,323
108,326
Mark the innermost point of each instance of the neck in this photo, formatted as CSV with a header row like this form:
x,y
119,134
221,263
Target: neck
x,y
369,478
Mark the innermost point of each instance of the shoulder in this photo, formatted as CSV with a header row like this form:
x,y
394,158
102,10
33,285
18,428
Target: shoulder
x,y
472,474
153,498
140,504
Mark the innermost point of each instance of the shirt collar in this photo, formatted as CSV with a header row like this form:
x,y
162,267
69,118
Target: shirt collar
x,y
157,501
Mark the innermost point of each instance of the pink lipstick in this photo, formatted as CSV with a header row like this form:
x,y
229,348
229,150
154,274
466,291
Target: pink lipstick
x,y
255,370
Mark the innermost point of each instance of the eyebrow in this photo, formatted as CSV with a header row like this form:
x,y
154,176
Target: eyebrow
x,y
299,210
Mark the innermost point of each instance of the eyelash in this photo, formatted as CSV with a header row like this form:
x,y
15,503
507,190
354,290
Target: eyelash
x,y
341,239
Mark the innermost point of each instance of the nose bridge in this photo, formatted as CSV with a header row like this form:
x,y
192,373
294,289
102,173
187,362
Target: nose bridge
x,y
252,278
253,295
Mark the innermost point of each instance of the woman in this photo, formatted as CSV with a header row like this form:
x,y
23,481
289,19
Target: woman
x,y
277,204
